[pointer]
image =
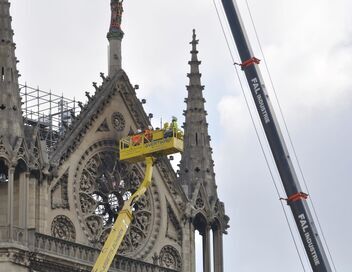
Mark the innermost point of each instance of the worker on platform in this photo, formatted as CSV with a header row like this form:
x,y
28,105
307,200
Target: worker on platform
x,y
148,134
173,125
137,139
172,129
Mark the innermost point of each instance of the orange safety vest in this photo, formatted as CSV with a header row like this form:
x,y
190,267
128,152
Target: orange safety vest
x,y
136,139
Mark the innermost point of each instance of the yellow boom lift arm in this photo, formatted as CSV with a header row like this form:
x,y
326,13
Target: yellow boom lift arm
x,y
136,148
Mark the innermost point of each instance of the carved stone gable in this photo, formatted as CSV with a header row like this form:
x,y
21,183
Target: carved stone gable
x,y
20,150
200,203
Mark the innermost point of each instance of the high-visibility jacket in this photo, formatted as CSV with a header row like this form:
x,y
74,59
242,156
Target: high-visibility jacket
x,y
137,139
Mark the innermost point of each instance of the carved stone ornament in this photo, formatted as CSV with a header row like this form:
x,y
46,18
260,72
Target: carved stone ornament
x,y
59,193
118,121
170,258
174,230
199,203
63,228
103,127
102,184
3,150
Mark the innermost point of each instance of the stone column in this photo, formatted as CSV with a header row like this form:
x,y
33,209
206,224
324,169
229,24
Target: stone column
x,y
206,250
23,200
189,250
10,198
218,250
23,203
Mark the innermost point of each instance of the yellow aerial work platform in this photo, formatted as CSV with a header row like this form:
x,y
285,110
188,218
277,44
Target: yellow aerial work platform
x,y
151,143
146,147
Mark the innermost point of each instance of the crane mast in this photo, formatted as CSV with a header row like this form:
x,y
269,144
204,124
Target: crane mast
x,y
296,199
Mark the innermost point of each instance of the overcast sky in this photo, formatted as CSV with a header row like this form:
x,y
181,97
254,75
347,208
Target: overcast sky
x,y
62,46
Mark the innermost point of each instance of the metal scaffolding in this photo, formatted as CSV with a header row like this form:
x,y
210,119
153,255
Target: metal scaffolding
x,y
51,113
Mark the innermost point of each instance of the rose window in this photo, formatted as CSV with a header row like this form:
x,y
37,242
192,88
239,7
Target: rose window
x,y
105,184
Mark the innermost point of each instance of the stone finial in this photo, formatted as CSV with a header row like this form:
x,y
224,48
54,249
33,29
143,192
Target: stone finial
x,y
11,120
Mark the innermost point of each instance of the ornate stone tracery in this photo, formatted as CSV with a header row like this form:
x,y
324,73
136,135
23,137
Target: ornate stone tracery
x,y
118,121
170,258
102,184
63,228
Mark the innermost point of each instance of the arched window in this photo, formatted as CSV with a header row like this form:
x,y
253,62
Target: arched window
x,y
2,73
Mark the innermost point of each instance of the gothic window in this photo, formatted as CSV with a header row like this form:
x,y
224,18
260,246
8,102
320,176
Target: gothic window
x,y
118,121
102,185
63,228
3,172
170,258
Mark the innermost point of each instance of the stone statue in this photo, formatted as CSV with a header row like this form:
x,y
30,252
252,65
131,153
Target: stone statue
x,y
116,14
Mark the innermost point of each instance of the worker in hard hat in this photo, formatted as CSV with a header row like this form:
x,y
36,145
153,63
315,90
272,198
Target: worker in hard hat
x,y
137,138
174,126
148,134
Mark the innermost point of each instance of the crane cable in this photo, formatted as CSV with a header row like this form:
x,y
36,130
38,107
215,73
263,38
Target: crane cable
x,y
257,134
288,133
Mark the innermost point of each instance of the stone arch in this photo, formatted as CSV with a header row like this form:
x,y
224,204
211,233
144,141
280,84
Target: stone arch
x,y
216,224
200,222
4,169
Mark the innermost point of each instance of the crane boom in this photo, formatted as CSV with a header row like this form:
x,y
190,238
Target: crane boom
x,y
296,199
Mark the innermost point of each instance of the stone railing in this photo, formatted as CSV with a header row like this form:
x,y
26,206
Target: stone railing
x,y
86,255
17,235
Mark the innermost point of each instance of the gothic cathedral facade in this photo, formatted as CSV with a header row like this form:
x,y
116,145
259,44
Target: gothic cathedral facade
x,y
59,201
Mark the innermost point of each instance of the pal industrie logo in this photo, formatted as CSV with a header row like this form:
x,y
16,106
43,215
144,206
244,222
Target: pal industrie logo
x,y
308,238
258,92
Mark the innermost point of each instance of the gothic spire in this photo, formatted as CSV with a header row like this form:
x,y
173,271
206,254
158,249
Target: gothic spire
x,y
115,36
196,163
11,122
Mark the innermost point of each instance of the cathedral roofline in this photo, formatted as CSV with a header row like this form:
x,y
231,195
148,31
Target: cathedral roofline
x,y
119,83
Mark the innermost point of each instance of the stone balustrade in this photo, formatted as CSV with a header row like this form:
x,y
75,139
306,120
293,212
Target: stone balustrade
x,y
79,255
87,255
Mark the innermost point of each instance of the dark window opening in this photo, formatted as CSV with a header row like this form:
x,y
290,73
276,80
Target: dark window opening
x,y
196,138
4,172
2,73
